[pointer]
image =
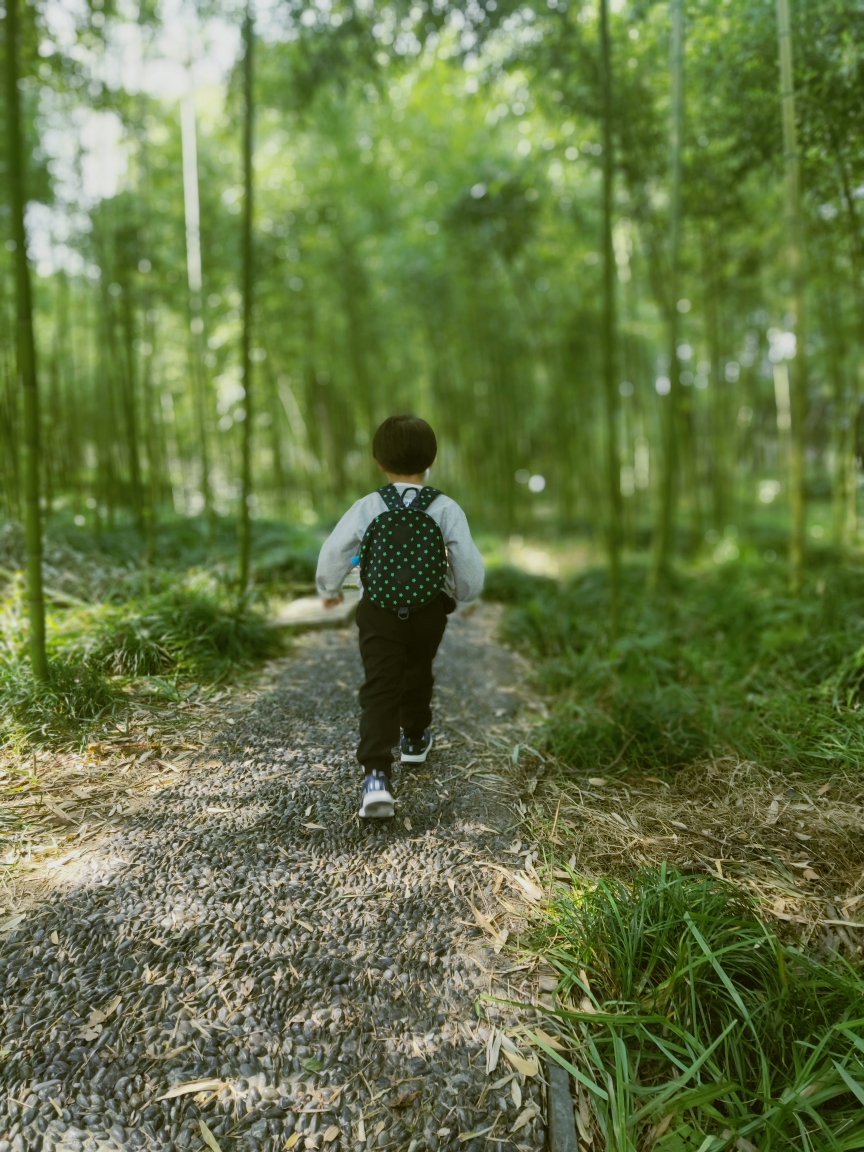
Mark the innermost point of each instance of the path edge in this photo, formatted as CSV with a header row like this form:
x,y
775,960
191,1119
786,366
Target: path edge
x,y
561,1125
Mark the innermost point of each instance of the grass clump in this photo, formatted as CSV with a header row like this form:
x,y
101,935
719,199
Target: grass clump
x,y
692,1027
75,697
186,630
724,661
192,631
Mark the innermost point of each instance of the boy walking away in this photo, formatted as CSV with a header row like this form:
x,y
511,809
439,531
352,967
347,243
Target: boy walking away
x,y
416,559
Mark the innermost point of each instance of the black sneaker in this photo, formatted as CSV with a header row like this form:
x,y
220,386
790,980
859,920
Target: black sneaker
x,y
416,751
377,798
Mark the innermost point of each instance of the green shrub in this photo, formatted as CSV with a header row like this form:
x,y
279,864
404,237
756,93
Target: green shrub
x,y
193,630
680,1002
725,661
190,630
61,711
510,585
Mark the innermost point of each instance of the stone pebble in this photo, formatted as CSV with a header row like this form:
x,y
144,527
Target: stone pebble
x,y
246,929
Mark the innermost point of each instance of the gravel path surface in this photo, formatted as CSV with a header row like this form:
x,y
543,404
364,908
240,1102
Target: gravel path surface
x,y
244,929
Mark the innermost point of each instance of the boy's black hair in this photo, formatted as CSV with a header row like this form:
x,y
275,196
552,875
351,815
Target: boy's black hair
x,y
405,445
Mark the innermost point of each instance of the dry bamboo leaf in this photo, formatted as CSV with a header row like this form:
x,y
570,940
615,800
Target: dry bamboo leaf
x,y
189,1087
597,781
531,890
208,1137
528,1066
500,1083
331,1133
525,1116
54,937
809,874
315,827
361,1130
487,925
292,1140
549,1041
493,1048
464,1137
773,814
516,1093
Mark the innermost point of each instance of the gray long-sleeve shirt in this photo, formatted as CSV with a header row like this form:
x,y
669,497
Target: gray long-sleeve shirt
x,y
464,563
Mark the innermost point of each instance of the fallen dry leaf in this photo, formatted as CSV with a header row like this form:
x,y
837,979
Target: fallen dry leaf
x,y
331,1133
407,823
549,1041
528,1066
531,890
487,925
493,1048
54,938
523,1118
208,1137
292,1140
773,814
809,874
597,781
516,1093
113,1006
405,1097
191,1086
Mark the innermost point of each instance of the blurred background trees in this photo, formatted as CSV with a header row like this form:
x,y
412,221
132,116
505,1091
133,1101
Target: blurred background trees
x,y
437,190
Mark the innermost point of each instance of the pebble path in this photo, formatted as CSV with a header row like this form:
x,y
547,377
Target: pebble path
x,y
317,975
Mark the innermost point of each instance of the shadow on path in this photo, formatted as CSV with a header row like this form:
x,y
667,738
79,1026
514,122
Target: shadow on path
x,y
245,928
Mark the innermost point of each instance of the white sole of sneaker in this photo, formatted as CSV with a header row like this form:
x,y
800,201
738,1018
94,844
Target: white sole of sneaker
x,y
378,810
420,756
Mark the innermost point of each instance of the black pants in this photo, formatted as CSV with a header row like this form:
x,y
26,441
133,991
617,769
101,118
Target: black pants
x,y
397,659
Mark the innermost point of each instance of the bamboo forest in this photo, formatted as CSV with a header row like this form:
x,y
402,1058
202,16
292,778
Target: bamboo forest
x,y
612,251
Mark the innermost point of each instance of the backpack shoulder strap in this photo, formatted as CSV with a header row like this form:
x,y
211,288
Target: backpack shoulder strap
x,y
425,497
390,497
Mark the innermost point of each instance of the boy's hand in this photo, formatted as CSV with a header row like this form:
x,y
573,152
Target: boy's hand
x,y
332,601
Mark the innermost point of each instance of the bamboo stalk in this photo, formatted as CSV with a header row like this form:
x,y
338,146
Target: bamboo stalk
x,y
244,533
794,248
26,353
610,387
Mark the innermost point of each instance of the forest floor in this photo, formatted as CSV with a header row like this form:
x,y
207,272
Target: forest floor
x,y
202,944
233,945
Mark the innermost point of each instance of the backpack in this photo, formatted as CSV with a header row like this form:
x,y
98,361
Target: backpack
x,y
403,559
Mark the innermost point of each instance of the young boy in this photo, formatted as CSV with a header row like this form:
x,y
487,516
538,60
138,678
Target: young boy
x,y
415,562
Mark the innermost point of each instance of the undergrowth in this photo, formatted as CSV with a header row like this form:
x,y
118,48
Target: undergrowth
x,y
185,630
724,661
692,1027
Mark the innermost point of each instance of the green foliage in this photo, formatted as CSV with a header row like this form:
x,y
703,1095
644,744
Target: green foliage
x,y
688,1007
62,711
194,631
725,661
509,585
186,630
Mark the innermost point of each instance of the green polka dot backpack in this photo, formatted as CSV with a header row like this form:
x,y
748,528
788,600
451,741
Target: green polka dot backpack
x,y
403,559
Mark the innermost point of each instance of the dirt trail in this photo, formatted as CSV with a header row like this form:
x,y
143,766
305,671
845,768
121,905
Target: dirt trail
x,y
317,974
